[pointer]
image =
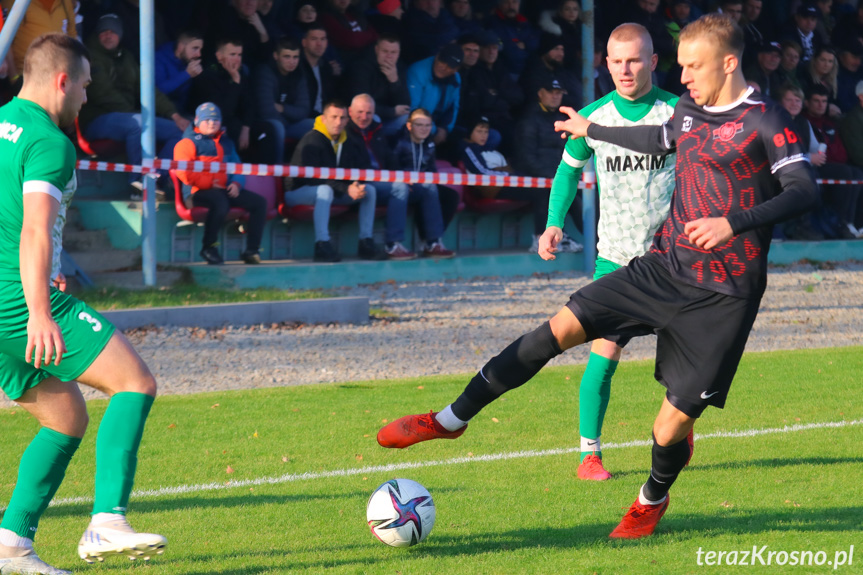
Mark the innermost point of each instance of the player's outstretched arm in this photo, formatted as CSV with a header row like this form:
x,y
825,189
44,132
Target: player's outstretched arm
x,y
44,338
575,127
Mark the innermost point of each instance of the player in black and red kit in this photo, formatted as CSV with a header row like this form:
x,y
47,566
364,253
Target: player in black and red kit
x,y
739,170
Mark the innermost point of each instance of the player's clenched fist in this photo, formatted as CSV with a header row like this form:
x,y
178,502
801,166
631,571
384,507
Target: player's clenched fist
x,y
548,242
707,233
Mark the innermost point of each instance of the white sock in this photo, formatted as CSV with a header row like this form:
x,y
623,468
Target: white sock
x,y
645,501
448,420
100,518
590,445
12,539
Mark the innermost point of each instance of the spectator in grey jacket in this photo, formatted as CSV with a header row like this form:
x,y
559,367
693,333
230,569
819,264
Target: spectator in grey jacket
x,y
282,96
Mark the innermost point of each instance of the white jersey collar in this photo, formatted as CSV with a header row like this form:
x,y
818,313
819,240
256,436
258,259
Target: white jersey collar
x,y
732,105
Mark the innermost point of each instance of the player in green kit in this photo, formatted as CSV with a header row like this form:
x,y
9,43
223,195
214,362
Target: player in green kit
x,y
48,339
635,191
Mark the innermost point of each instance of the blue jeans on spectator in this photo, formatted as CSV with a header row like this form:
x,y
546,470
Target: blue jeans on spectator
x,y
322,197
127,127
428,199
394,195
283,130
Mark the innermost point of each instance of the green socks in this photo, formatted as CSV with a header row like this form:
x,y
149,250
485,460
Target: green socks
x,y
593,397
40,473
117,450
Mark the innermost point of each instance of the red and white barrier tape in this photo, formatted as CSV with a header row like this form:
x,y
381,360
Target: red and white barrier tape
x,y
443,178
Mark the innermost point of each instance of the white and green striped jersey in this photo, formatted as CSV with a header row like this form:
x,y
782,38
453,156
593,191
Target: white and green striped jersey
x,y
634,189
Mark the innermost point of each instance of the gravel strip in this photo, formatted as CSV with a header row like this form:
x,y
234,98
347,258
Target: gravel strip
x,y
456,326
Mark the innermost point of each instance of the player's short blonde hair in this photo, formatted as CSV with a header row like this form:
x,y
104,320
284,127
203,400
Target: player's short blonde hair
x,y
50,54
631,31
718,29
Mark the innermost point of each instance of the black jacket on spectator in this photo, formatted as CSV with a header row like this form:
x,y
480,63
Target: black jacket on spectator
x,y
488,92
367,78
538,147
373,141
424,36
316,149
235,101
328,81
415,157
291,91
227,23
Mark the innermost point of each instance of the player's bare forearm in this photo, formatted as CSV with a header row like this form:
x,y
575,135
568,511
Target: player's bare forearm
x,y
707,233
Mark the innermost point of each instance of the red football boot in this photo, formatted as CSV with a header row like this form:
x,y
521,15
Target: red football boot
x,y
640,520
591,469
411,429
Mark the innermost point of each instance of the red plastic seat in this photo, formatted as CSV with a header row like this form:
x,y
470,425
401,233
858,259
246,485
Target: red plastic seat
x,y
103,148
199,215
268,187
476,202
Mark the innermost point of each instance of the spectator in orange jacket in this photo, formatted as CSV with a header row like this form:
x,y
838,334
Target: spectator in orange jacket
x,y
220,192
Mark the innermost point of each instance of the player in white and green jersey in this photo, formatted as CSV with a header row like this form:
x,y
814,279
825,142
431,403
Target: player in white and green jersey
x,y
635,196
49,339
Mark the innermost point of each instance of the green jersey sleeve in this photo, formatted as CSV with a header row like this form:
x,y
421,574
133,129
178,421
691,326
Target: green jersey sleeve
x,y
564,186
48,168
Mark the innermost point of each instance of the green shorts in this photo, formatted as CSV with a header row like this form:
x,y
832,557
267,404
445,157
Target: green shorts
x,y
604,267
84,330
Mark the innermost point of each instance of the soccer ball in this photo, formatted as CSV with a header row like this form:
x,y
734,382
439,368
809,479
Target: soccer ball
x,y
400,513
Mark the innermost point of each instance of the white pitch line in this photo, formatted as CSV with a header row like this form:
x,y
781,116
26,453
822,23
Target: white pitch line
x,y
293,477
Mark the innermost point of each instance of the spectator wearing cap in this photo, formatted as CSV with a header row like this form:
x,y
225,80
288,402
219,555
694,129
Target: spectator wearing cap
x,y
802,31
488,90
282,97
850,73
348,30
382,76
519,37
434,85
428,26
765,70
565,22
367,134
463,17
113,107
176,64
387,18
850,130
218,192
538,146
548,65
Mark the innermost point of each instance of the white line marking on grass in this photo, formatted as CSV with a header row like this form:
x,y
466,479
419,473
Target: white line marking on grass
x,y
292,477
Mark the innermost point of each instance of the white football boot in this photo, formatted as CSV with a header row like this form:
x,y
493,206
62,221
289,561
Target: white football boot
x,y
118,538
21,561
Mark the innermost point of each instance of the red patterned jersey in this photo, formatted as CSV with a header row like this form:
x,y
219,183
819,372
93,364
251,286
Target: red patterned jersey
x,y
729,160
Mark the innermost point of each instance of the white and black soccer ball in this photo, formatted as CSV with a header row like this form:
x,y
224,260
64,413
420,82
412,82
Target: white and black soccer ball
x,y
401,512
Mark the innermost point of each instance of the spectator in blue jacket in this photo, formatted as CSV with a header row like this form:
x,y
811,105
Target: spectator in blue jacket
x,y
282,96
434,85
520,38
176,64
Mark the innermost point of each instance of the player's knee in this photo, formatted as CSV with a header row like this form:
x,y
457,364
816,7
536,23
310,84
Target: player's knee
x,y
567,329
145,383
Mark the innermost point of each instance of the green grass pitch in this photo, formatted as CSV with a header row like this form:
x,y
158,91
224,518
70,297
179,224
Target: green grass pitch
x,y
204,457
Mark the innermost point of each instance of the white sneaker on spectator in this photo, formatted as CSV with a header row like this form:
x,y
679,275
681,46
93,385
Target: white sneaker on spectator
x,y
118,538
25,562
437,250
569,245
858,233
534,245
398,252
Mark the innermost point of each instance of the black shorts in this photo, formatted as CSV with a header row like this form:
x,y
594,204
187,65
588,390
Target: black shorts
x,y
701,334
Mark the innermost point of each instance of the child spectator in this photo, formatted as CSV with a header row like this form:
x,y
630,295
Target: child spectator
x,y
218,192
415,152
479,158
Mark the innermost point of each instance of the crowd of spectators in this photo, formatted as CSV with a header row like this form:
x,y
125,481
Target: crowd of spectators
x,y
274,67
